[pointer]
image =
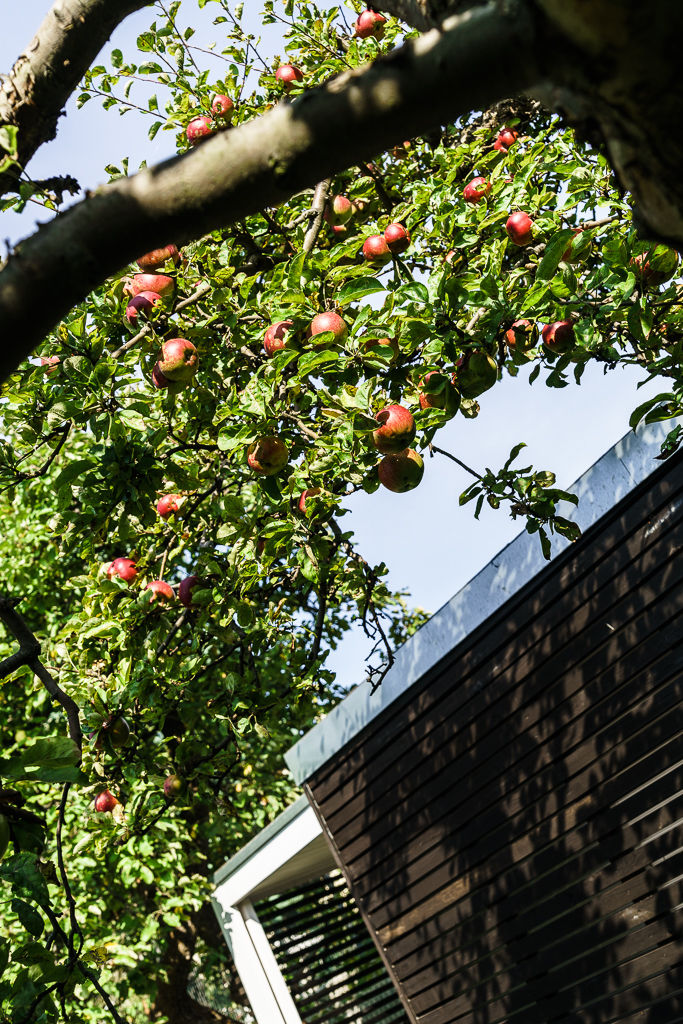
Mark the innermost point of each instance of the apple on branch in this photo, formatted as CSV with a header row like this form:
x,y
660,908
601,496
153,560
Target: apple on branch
x,y
105,802
157,257
179,360
160,284
369,24
519,227
310,492
436,391
168,504
376,250
161,590
123,569
401,472
396,237
505,138
276,336
521,336
143,302
267,455
50,363
287,75
185,589
339,211
173,787
199,128
330,321
559,336
476,190
396,430
222,106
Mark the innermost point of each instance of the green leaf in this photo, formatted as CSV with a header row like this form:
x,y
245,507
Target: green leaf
x,y
553,254
357,289
22,872
45,760
29,917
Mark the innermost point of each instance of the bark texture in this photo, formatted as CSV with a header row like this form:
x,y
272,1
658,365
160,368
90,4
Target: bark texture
x,y
424,84
43,78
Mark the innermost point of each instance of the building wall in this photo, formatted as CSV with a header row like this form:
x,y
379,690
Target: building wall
x,y
511,826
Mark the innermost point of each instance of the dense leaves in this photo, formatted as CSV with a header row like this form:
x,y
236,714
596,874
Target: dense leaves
x,y
215,677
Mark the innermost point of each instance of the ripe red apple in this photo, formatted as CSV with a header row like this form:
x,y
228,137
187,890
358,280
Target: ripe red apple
x,y
401,472
222,106
340,230
287,75
396,237
521,336
443,396
476,190
476,373
392,343
161,590
185,589
50,362
400,152
143,302
158,379
276,336
173,787
124,569
168,504
179,360
339,211
198,128
310,492
505,138
376,250
162,284
330,321
519,227
369,23
157,257
396,430
105,802
558,337
267,455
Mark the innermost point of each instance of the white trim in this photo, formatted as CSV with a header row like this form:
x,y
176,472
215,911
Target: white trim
x,y
269,963
612,477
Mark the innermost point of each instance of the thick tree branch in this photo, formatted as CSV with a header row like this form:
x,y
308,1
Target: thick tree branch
x,y
320,196
47,72
425,83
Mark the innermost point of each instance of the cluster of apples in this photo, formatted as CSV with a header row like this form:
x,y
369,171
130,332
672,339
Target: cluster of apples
x,y
126,569
201,126
557,337
379,249
105,801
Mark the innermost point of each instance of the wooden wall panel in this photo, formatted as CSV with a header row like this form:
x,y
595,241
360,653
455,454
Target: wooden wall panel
x,y
512,826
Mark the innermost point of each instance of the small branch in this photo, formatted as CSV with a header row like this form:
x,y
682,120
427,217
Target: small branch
x,y
75,927
433,448
178,624
385,198
320,195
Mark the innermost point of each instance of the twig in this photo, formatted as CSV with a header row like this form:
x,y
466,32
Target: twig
x,y
178,624
318,207
433,448
384,196
75,927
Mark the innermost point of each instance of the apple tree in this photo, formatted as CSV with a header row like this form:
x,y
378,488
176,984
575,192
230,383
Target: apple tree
x,y
228,346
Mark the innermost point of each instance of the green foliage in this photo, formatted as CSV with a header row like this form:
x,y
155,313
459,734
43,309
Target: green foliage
x,y
216,692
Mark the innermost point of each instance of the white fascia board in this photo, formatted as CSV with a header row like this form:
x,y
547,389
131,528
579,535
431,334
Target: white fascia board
x,y
612,477
236,882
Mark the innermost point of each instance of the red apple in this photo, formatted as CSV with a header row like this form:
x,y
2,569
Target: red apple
x,y
173,787
276,336
157,257
400,152
168,504
476,190
161,590
179,359
396,237
158,379
222,106
50,362
287,75
310,492
105,802
267,455
558,337
444,396
369,23
522,335
330,321
143,302
124,569
519,227
401,472
340,230
185,589
162,284
376,250
339,211
392,343
655,267
199,128
505,138
396,430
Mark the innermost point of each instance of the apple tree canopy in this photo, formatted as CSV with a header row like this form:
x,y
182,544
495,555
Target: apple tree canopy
x,y
177,452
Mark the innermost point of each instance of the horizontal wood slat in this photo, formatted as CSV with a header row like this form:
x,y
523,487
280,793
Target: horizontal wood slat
x,y
512,826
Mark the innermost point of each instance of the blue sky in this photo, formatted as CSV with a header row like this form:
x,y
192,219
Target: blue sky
x,y
431,545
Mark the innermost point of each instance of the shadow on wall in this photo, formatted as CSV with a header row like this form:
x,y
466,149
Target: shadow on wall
x,y
511,826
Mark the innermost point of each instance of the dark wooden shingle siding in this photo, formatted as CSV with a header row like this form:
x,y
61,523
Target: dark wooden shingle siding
x,y
512,826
